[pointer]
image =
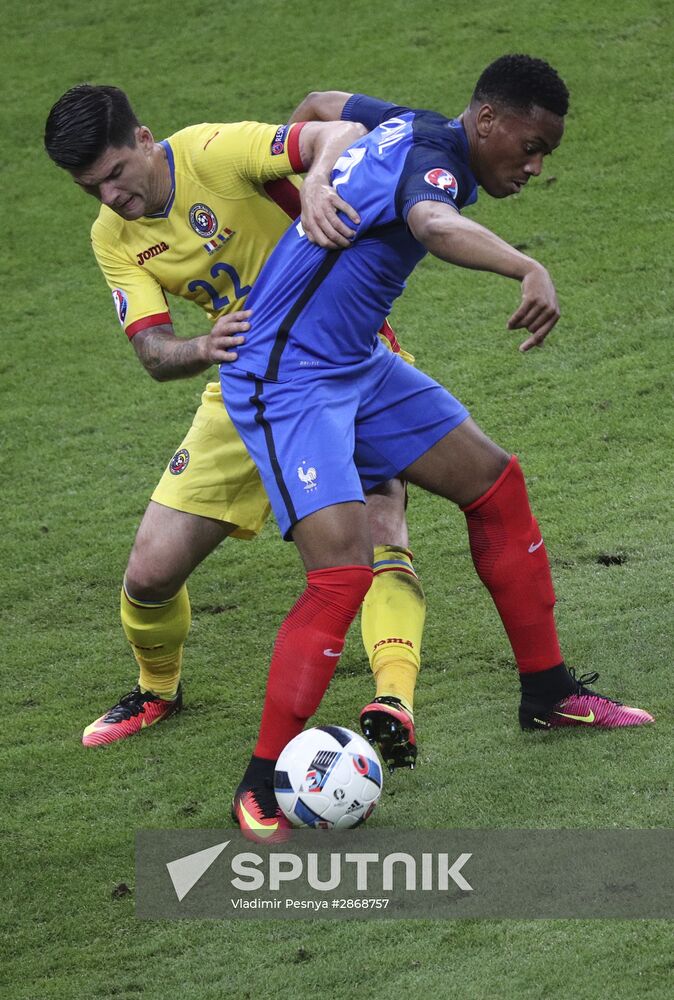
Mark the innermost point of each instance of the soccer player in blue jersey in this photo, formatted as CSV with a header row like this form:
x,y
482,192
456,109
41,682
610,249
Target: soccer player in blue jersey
x,y
327,413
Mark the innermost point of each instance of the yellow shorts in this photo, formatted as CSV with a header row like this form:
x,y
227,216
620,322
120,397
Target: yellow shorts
x,y
212,475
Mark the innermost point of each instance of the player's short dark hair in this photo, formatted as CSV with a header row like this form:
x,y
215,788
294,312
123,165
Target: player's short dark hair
x,y
85,122
522,82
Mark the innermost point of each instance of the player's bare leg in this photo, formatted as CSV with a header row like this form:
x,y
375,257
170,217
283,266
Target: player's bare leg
x,y
392,624
168,547
155,613
510,558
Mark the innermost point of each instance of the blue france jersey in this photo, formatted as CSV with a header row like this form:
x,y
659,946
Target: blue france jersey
x,y
317,309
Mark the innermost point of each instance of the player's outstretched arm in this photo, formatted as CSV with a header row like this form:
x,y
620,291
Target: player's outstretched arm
x,y
166,357
451,237
321,144
321,106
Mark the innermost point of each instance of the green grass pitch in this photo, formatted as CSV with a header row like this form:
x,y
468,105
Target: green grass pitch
x,y
85,434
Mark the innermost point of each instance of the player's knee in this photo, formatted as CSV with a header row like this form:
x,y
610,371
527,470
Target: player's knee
x,y
386,514
335,536
491,464
149,577
496,463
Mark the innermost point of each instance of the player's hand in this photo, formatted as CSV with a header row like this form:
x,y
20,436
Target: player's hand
x,y
227,334
539,309
320,221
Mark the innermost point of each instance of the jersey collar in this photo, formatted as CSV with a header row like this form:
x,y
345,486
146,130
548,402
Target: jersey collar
x,y
171,198
457,127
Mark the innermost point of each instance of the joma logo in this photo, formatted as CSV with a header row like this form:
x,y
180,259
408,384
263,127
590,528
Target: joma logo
x,y
151,252
401,642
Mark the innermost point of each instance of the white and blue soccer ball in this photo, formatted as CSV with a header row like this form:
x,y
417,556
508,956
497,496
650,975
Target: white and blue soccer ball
x,y
328,777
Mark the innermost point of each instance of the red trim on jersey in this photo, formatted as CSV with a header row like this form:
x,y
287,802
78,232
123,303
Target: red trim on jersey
x,y
387,331
286,196
294,148
159,319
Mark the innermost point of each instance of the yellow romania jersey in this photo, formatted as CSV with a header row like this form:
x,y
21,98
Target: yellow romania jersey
x,y
230,203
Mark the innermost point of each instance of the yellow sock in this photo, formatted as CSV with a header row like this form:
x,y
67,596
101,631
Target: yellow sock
x,y
392,624
157,632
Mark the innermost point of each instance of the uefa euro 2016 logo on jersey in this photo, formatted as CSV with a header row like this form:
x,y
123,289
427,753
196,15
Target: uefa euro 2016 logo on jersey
x,y
121,304
443,180
179,462
203,220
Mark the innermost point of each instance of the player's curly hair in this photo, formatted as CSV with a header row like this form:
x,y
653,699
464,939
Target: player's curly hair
x,y
85,121
522,82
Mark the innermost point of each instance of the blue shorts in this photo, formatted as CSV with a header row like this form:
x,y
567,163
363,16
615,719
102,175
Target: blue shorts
x,y
326,436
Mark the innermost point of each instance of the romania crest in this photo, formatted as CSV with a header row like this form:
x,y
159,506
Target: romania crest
x,y
179,462
203,220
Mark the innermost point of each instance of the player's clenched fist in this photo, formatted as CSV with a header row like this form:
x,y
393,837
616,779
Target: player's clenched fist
x,y
226,335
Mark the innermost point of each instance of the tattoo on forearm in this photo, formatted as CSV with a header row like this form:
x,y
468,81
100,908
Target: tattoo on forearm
x,y
165,356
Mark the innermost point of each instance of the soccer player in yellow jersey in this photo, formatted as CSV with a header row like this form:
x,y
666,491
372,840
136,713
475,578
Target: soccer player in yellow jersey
x,y
196,216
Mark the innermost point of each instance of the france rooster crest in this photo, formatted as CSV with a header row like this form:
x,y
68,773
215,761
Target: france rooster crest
x,y
308,476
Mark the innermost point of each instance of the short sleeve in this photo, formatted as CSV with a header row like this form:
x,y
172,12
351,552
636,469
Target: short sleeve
x,y
370,111
138,298
437,168
251,152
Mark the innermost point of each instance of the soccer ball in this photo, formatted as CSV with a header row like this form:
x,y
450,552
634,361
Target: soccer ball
x,y
328,777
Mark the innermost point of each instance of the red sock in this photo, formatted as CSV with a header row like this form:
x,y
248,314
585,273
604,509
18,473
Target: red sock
x,y
307,651
511,561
